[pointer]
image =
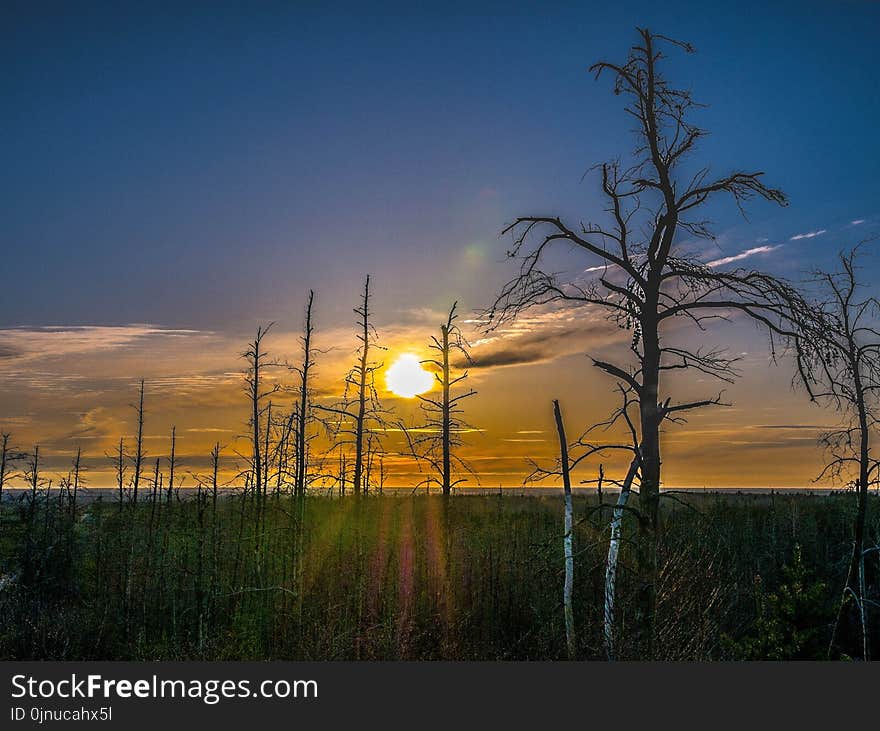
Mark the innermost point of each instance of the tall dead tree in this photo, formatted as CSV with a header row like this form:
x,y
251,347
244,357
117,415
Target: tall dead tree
x,y
639,275
77,481
138,457
567,538
436,439
32,477
172,464
839,364
119,464
303,411
360,411
258,362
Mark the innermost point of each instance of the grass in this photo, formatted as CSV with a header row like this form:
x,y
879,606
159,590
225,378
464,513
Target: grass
x,y
472,578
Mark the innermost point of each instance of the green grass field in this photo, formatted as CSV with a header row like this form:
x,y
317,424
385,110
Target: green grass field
x,y
472,578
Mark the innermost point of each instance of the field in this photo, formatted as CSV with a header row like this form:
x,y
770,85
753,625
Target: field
x,y
741,576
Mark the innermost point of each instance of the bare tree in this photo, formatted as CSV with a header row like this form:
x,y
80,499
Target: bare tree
x,y
32,477
257,362
839,363
644,279
435,440
567,539
8,458
77,481
118,458
360,412
581,451
138,458
172,464
303,410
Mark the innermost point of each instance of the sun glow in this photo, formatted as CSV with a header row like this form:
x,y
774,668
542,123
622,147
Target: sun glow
x,y
406,377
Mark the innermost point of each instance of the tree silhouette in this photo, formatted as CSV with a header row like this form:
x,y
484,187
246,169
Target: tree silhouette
x,y
839,363
360,413
644,279
435,440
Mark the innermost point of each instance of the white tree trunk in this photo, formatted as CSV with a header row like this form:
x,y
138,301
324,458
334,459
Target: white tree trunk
x,y
613,553
567,586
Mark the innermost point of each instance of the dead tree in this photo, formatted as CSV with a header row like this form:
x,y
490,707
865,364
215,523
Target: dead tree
x,y
839,364
118,459
8,458
77,480
257,363
304,394
360,412
567,539
640,277
436,439
172,464
581,451
138,458
33,479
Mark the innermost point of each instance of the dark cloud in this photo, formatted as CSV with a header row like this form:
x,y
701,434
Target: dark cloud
x,y
543,343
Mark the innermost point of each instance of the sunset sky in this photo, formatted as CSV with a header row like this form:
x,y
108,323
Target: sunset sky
x,y
172,179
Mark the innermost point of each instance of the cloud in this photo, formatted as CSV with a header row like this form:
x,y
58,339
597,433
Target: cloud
x,y
600,268
808,235
743,255
857,222
541,337
22,343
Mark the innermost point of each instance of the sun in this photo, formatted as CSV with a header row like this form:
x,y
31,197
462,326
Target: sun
x,y
405,377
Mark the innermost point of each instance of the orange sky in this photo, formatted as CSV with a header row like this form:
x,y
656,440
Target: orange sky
x,y
74,386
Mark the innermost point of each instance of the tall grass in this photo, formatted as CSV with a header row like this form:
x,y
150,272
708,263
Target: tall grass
x,y
421,577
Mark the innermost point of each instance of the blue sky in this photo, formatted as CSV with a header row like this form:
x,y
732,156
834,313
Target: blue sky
x,y
202,167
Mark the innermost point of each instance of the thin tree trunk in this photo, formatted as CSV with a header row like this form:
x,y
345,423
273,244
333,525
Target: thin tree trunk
x,y
446,425
171,463
303,413
568,584
362,393
612,561
4,457
649,490
139,450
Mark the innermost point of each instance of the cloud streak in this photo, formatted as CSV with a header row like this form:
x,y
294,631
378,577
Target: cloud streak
x,y
742,255
808,235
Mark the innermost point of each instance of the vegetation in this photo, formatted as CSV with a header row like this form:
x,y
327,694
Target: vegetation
x,y
414,577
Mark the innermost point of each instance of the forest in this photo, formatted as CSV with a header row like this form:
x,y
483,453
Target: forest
x,y
306,552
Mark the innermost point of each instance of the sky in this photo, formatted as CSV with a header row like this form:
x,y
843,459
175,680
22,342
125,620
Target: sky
x,y
174,177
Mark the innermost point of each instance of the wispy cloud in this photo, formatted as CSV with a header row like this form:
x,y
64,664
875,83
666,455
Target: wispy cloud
x,y
808,235
743,255
857,222
51,341
600,268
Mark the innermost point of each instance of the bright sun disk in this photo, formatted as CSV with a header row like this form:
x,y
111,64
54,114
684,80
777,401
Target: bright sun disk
x,y
406,377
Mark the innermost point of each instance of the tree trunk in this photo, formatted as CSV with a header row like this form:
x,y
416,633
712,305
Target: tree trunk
x,y
649,490
612,561
568,584
447,426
